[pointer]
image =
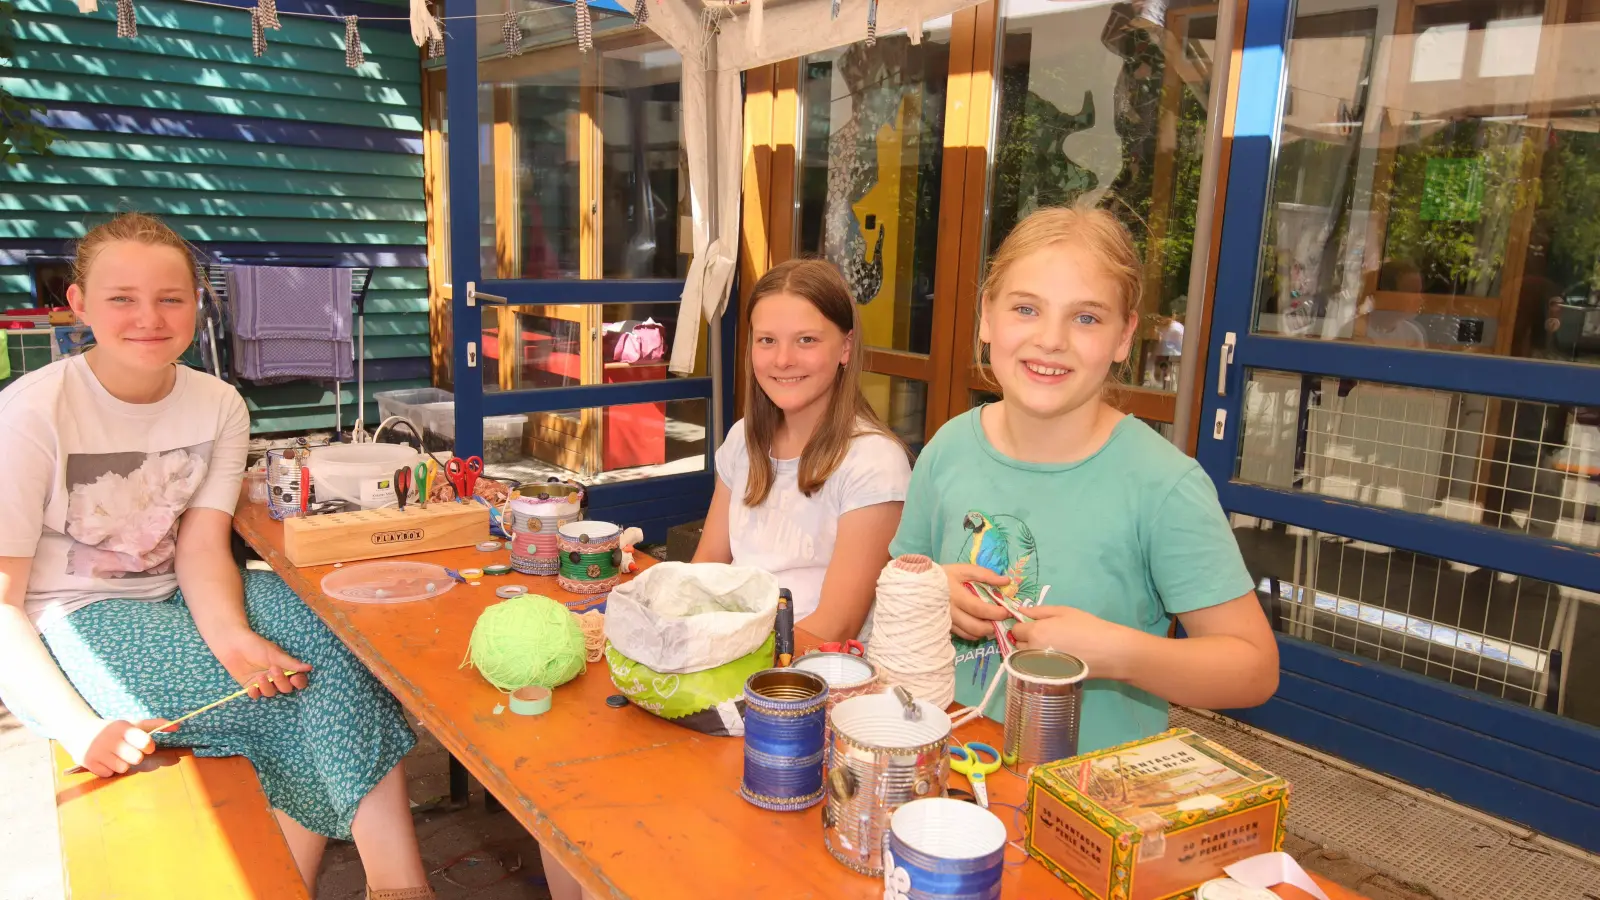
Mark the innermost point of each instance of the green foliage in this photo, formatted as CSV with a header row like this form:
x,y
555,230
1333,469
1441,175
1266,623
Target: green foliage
x,y
1454,195
1570,214
18,130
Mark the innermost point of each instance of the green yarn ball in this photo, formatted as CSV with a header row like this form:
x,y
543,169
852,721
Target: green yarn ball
x,y
527,640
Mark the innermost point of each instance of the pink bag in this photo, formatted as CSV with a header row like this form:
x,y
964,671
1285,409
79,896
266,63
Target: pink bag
x,y
644,342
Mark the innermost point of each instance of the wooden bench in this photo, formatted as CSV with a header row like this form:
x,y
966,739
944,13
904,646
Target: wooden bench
x,y
178,826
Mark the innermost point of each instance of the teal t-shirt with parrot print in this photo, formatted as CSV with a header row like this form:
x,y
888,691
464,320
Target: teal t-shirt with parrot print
x,y
1132,534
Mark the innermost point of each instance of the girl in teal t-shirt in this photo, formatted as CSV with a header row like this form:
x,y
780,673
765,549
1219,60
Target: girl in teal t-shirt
x,y
1080,512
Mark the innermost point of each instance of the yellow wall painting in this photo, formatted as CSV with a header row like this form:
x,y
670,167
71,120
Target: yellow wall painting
x,y
886,215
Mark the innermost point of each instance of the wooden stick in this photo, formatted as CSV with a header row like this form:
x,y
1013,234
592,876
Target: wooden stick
x,y
187,716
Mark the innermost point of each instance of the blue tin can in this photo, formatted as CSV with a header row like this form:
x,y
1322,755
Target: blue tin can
x,y
943,849
785,711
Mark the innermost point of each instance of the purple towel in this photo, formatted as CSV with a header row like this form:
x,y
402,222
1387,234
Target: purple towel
x,y
290,302
282,359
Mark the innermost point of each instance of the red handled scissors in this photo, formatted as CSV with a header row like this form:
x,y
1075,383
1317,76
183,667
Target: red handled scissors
x,y
852,647
463,474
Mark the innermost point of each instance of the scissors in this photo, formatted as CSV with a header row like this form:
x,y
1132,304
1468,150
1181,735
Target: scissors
x,y
852,647
422,483
402,486
463,474
968,759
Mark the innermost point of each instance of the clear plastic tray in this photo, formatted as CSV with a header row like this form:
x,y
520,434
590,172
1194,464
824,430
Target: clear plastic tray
x,y
387,582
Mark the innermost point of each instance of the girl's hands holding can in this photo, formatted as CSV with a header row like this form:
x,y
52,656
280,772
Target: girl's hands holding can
x,y
1102,645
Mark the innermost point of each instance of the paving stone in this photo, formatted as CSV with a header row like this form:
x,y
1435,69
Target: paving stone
x,y
1298,847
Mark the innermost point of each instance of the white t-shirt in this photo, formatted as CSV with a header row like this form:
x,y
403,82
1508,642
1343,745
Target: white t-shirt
x,y
95,486
791,535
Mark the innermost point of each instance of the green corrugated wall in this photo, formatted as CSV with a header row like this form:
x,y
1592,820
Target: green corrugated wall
x,y
292,153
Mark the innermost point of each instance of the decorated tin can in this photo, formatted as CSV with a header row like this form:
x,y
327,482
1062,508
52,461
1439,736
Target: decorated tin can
x,y
784,710
943,849
847,674
537,513
882,754
1044,694
589,557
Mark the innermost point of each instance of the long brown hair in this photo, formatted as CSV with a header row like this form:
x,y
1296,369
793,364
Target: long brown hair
x,y
849,414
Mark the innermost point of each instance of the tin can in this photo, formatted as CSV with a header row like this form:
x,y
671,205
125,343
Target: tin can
x,y
1044,693
784,711
537,514
943,849
847,675
880,757
576,540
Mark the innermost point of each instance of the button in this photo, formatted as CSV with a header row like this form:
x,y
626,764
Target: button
x,y
616,701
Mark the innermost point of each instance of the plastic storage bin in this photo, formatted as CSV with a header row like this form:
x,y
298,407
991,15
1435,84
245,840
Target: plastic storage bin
x,y
405,403
502,435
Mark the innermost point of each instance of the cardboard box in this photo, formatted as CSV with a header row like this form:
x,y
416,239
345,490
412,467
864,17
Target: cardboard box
x,y
1152,819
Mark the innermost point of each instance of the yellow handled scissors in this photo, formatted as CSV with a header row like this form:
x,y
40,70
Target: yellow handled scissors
x,y
968,759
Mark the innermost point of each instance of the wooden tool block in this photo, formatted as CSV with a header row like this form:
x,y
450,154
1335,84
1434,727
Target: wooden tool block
x,y
375,533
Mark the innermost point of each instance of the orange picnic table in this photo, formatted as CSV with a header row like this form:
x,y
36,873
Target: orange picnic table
x,y
637,808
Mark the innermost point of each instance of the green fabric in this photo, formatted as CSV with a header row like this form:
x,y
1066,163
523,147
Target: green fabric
x,y
677,697
318,752
5,358
1132,534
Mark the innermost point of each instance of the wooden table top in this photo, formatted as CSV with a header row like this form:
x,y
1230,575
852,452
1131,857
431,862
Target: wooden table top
x,y
634,806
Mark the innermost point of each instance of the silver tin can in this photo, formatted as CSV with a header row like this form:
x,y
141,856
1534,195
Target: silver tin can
x,y
878,759
847,675
1044,695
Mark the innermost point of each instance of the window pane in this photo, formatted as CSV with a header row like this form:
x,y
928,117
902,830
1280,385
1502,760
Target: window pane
x,y
599,444
1105,104
1438,188
528,112
530,347
1519,639
645,172
901,403
1515,465
870,162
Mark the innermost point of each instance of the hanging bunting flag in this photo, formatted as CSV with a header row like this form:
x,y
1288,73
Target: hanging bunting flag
x,y
353,56
584,27
835,11
88,6
511,34
424,27
872,23
641,12
258,35
436,47
127,22
269,13
758,9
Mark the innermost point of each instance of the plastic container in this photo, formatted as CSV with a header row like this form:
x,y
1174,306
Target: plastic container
x,y
502,435
404,403
362,474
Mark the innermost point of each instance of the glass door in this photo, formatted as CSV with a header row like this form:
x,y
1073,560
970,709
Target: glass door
x,y
569,220
1403,416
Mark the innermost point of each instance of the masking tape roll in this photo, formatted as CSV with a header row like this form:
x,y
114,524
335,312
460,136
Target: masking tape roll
x,y
470,574
489,546
509,591
532,700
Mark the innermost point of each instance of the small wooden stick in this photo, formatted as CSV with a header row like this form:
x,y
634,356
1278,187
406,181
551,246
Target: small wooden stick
x,y
187,716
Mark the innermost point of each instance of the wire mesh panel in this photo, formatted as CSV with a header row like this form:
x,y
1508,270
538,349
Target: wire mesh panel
x,y
1520,639
1521,466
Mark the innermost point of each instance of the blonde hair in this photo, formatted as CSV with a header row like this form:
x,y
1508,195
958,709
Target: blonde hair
x,y
821,284
129,226
1095,231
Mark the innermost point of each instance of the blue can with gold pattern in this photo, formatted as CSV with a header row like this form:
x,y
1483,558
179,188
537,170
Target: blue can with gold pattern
x,y
784,715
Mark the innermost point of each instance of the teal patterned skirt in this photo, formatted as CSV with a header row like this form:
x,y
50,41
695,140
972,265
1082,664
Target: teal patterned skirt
x,y
317,751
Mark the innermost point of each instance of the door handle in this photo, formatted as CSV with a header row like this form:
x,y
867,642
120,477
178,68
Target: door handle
x,y
1224,360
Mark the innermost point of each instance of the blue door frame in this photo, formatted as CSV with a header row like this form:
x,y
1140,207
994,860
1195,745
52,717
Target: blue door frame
x,y
1512,761
652,504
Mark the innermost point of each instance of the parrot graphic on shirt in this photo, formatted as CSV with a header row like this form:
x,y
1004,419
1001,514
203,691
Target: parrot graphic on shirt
x,y
1005,546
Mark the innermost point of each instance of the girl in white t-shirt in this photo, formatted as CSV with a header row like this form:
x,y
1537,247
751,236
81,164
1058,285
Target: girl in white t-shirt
x,y
810,482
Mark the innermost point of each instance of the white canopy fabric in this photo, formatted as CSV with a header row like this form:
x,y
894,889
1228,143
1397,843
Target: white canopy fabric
x,y
765,32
